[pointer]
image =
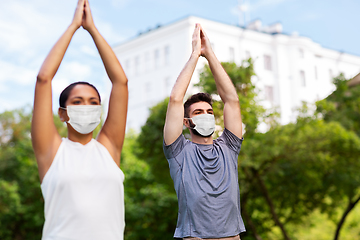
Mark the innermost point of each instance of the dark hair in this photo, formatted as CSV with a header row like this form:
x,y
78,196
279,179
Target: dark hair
x,y
198,97
66,92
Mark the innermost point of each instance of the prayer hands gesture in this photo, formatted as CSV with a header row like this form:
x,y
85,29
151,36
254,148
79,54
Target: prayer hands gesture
x,y
82,16
200,42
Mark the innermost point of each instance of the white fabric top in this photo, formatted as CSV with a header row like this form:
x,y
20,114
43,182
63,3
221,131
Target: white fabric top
x,y
84,194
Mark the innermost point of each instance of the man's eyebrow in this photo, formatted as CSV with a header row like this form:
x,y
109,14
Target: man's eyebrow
x,y
198,109
202,110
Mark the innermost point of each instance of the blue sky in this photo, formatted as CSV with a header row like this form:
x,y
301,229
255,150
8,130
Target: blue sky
x,y
29,28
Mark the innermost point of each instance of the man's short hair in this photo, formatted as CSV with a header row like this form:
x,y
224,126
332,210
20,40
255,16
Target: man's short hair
x,y
198,97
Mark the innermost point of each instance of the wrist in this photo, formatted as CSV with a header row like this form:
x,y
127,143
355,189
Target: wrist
x,y
209,55
92,30
195,55
73,26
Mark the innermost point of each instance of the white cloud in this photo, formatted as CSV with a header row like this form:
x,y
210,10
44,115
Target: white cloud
x,y
24,27
75,71
15,73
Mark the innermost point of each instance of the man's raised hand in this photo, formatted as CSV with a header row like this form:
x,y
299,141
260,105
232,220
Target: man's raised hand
x,y
205,44
196,41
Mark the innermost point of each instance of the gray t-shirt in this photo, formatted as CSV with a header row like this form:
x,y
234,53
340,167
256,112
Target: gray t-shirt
x,y
206,183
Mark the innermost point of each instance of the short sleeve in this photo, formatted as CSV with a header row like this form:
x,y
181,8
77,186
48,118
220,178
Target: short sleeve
x,y
231,140
172,150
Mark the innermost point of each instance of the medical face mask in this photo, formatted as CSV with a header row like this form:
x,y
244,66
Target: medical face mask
x,y
204,124
84,118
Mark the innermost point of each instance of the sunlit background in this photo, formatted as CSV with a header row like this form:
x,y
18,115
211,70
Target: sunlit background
x,y
29,28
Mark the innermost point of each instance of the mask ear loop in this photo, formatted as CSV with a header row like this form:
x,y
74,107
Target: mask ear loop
x,y
191,123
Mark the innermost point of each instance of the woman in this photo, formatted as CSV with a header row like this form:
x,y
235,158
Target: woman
x,y
81,181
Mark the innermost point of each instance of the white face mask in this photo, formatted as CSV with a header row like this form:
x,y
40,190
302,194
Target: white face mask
x,y
84,118
204,124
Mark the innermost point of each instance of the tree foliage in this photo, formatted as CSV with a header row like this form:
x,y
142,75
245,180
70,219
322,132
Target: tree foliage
x,y
241,77
289,176
343,106
150,204
21,205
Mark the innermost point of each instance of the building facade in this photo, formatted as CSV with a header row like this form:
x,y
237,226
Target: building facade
x,y
290,69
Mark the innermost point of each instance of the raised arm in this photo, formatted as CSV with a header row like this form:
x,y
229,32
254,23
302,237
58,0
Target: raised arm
x,y
113,132
225,88
45,138
175,111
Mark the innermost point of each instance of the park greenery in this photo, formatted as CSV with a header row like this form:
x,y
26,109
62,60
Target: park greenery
x,y
297,181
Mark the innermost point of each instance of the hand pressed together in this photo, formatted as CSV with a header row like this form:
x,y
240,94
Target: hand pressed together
x,y
83,17
200,42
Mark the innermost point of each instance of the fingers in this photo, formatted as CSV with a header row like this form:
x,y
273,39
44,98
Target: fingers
x,y
87,22
196,41
80,6
203,34
87,11
196,34
86,5
79,11
81,3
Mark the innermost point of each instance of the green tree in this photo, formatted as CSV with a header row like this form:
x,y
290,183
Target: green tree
x,y
299,168
285,174
21,202
150,201
21,205
283,159
251,112
343,106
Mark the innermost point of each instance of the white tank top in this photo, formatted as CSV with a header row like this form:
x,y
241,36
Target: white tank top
x,y
84,194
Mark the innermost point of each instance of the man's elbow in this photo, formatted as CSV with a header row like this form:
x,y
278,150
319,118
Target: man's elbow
x,y
174,98
233,99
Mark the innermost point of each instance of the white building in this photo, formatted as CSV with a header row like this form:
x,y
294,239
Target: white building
x,y
290,68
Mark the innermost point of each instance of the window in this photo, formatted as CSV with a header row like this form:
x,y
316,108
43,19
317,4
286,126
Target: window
x,y
267,62
147,61
302,78
231,54
156,58
269,93
166,55
301,53
137,65
316,73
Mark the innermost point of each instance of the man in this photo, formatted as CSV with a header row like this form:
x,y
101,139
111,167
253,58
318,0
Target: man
x,y
204,170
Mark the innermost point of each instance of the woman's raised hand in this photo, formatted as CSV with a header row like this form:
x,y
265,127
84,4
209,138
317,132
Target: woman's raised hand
x,y
87,20
79,12
82,16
